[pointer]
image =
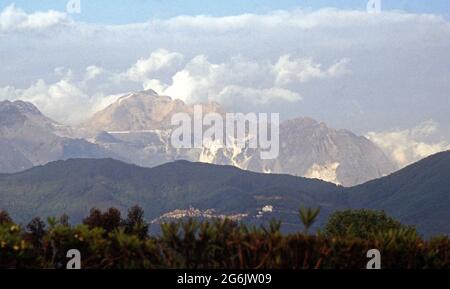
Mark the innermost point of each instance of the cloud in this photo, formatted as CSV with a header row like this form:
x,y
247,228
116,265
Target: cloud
x,y
65,100
263,95
393,66
408,146
13,19
241,79
199,80
290,70
68,99
92,72
61,99
145,68
301,19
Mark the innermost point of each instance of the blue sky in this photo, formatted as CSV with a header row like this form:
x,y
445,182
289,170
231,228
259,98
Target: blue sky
x,y
131,11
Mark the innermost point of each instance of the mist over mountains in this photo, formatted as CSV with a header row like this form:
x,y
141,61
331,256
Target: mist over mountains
x,y
136,129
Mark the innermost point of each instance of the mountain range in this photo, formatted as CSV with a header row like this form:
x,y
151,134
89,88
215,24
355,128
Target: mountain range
x,y
418,194
137,127
28,138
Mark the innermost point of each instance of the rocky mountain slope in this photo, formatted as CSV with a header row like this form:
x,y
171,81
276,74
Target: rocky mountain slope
x,y
137,129
29,138
141,111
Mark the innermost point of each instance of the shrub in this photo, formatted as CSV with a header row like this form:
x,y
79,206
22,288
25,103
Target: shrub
x,y
5,218
210,244
135,223
365,224
109,220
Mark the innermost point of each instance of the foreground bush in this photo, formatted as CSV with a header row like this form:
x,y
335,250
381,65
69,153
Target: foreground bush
x,y
365,224
217,244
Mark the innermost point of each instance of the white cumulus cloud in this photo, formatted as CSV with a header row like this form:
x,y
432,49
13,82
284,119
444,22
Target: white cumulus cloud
x,y
12,19
290,70
145,68
65,100
239,78
409,145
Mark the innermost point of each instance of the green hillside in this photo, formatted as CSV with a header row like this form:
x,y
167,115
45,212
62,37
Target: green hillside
x,y
417,195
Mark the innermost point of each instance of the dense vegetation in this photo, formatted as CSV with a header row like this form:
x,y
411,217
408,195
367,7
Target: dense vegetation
x,y
364,224
106,240
416,195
